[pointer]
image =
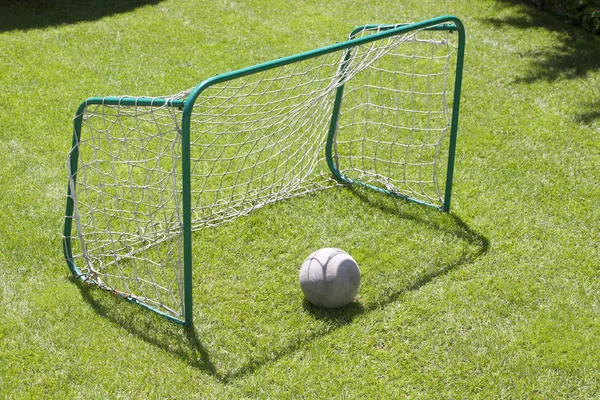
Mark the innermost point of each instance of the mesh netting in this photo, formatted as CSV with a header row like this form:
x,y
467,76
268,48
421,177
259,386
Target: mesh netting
x,y
395,121
255,139
127,202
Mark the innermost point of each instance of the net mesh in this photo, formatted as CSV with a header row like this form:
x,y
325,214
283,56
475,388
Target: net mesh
x,y
127,203
255,139
394,123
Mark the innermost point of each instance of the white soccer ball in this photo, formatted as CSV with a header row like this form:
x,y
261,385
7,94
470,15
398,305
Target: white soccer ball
x,y
329,278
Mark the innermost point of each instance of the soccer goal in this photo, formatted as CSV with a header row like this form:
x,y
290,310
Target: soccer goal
x,y
378,110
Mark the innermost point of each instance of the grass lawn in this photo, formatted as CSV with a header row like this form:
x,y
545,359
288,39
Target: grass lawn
x,y
498,299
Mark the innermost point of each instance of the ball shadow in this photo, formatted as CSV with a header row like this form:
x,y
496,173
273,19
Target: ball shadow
x,y
337,317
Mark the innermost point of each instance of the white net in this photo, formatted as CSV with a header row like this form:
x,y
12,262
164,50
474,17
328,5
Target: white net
x,y
127,202
255,139
394,125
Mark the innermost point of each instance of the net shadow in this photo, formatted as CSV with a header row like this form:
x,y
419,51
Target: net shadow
x,y
219,345
182,342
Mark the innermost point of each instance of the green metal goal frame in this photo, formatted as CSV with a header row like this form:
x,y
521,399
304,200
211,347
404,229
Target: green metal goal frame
x,y
443,23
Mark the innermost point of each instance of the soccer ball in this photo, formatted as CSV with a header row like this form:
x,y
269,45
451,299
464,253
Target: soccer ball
x,y
329,278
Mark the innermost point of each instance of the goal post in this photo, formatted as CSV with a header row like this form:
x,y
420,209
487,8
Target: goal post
x,y
378,110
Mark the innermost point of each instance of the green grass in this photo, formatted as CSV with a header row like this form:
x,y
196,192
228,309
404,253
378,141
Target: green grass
x,y
499,299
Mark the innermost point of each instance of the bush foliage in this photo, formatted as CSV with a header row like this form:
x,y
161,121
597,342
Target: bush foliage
x,y
584,13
